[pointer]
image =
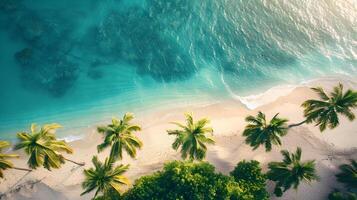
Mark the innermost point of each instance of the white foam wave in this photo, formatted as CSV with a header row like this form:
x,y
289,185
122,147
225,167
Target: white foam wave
x,y
72,138
256,100
269,96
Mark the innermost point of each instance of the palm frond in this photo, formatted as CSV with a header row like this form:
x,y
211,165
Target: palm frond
x,y
104,177
43,147
291,171
348,174
324,112
192,137
321,93
259,132
128,117
50,127
120,136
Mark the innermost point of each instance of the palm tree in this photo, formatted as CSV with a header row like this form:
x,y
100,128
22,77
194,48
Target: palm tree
x,y
260,132
4,163
192,138
325,112
104,177
291,171
120,136
348,175
43,147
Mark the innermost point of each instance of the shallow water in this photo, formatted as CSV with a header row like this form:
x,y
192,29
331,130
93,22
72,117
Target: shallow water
x,y
79,62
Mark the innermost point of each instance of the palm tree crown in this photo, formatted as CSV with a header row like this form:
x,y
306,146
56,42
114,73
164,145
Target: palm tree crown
x,y
43,147
291,171
4,163
104,177
348,175
192,138
120,136
325,112
260,132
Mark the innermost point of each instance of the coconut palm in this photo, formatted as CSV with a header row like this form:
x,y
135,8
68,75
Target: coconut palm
x,y
4,163
104,177
43,147
261,132
291,171
192,138
348,175
120,136
325,112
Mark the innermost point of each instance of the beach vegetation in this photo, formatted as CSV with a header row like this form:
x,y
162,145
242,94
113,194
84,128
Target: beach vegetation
x,y
5,163
325,111
260,131
348,175
192,138
291,172
120,136
249,174
105,179
185,180
43,147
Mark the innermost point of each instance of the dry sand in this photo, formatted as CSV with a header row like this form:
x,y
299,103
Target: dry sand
x,y
329,149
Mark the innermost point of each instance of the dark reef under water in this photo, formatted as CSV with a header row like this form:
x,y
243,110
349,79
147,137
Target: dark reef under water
x,y
164,39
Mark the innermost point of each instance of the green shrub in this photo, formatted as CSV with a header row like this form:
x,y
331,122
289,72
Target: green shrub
x,y
249,171
191,181
250,177
181,181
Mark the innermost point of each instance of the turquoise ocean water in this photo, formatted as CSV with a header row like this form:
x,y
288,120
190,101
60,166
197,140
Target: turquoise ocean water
x,y
79,62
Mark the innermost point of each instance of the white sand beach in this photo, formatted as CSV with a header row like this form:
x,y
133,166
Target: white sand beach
x,y
329,149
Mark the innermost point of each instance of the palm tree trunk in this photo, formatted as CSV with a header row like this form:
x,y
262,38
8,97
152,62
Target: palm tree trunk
x,y
77,163
298,124
22,169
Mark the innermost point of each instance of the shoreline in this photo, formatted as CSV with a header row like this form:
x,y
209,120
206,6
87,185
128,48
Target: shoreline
x,y
330,149
251,102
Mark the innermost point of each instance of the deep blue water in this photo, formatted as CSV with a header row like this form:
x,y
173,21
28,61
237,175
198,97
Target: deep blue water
x,y
79,62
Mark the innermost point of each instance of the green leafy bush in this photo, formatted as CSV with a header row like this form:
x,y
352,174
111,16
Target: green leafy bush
x,y
249,171
181,181
192,181
250,177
